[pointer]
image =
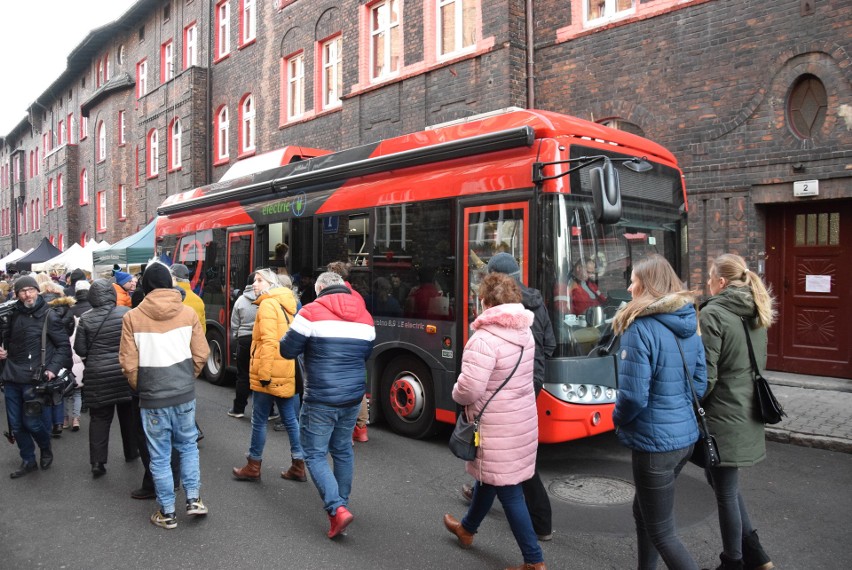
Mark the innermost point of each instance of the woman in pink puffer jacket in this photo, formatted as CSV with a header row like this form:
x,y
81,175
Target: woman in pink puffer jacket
x,y
508,430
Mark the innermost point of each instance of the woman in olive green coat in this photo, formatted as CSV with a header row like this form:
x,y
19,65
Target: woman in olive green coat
x,y
737,294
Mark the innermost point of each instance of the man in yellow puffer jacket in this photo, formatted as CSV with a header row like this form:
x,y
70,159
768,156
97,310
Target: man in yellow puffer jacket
x,y
180,276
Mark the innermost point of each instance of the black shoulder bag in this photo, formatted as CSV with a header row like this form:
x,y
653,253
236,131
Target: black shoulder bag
x,y
768,408
706,452
465,437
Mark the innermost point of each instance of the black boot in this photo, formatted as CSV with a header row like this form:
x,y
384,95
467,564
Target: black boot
x,y
46,458
754,557
24,469
729,563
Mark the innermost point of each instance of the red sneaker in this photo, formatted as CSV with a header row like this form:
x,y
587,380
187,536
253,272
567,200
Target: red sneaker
x,y
339,521
360,434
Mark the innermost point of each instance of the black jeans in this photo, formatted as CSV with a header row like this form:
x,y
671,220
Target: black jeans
x,y
654,476
242,382
538,504
99,425
734,522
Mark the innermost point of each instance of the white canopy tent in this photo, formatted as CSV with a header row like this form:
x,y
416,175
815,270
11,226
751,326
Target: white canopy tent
x,y
15,255
75,257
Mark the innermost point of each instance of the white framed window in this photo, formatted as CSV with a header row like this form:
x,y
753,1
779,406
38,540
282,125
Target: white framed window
x,y
223,29
247,132
602,11
295,86
332,73
167,61
102,211
175,144
153,153
456,26
101,141
84,187
248,22
122,202
190,46
84,126
122,140
141,78
385,39
222,131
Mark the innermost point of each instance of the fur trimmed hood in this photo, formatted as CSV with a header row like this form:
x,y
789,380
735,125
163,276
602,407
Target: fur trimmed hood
x,y
510,321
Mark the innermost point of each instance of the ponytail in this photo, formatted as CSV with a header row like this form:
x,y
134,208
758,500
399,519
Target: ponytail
x,y
733,268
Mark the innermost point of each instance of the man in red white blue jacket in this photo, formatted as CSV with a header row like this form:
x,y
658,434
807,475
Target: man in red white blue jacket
x,y
335,333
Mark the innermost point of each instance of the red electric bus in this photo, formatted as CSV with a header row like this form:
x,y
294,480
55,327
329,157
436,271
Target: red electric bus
x,y
417,217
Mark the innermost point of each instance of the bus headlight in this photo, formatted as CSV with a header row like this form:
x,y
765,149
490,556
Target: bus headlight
x,y
582,390
582,393
596,392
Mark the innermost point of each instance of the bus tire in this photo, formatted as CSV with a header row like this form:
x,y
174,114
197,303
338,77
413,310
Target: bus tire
x,y
214,368
408,397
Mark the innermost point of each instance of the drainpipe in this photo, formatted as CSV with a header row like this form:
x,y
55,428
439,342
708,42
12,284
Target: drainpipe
x,y
528,9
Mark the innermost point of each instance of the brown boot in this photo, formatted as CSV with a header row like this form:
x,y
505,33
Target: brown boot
x,y
296,471
528,566
455,527
251,471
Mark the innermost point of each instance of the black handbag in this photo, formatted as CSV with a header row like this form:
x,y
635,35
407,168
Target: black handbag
x,y
769,410
706,451
465,437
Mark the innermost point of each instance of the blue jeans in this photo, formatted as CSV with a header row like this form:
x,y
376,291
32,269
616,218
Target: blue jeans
x,y
654,476
28,430
515,507
326,429
734,521
261,408
164,428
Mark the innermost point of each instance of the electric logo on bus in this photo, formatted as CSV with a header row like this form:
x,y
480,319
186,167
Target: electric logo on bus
x,y
295,205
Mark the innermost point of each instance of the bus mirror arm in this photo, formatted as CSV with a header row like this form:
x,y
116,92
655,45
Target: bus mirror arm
x,y
636,164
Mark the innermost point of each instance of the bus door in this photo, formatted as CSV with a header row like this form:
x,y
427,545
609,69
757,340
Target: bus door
x,y
488,230
240,265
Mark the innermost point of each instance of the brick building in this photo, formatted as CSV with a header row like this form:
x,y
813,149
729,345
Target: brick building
x,y
752,97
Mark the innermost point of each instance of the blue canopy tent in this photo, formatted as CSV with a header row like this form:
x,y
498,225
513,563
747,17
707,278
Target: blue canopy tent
x,y
132,250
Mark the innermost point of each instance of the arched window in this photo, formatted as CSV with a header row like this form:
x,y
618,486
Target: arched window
x,y
84,187
222,129
50,200
247,134
153,153
175,144
83,237
101,141
36,217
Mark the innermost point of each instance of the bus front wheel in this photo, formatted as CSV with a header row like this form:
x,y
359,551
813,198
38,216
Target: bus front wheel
x,y
214,369
408,397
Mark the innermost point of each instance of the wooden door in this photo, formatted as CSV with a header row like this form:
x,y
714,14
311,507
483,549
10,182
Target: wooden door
x,y
808,265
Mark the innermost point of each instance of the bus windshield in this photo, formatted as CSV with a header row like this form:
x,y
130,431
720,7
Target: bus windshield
x,y
587,265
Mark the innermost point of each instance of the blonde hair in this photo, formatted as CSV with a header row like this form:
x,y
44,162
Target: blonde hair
x,y
734,270
41,278
658,280
52,287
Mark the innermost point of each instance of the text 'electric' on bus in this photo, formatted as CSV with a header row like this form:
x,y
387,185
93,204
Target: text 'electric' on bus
x,y
418,217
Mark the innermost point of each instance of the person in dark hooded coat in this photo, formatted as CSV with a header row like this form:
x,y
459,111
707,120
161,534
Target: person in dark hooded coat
x,y
105,389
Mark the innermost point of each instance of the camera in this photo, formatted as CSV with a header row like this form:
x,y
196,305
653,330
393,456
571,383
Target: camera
x,y
6,311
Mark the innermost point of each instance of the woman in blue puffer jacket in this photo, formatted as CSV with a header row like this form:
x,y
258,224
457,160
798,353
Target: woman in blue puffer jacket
x,y
653,412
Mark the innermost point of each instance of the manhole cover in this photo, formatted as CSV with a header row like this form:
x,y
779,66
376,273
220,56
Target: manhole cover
x,y
591,490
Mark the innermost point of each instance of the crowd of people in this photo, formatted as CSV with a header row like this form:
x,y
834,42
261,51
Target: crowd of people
x,y
137,343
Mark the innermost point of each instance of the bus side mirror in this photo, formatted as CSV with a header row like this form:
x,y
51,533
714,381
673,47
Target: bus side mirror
x,y
606,193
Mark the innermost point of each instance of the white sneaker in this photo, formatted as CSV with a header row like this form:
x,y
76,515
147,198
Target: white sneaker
x,y
195,507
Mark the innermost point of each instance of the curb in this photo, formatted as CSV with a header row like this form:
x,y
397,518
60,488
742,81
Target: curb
x,y
809,440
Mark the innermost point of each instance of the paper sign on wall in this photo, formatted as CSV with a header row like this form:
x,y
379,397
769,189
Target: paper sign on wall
x,y
818,283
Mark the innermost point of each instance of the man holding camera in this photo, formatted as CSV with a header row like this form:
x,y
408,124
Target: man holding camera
x,y
26,363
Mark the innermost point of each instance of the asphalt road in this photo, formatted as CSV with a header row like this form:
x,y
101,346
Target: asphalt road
x,y
63,518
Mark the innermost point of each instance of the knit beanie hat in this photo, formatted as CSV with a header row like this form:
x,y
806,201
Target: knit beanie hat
x,y
504,263
76,275
180,271
24,282
156,276
121,277
82,285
